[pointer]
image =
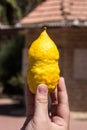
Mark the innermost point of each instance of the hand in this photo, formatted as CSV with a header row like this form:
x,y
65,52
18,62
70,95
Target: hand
x,y
37,113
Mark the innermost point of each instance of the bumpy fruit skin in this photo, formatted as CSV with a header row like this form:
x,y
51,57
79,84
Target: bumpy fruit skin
x,y
43,67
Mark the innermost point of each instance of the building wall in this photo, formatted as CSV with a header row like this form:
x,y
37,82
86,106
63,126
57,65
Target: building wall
x,y
68,40
77,86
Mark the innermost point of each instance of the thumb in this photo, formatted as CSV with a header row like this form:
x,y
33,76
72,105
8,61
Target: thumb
x,y
41,102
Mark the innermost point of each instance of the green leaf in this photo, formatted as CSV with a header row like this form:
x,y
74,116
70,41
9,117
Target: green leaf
x,y
12,3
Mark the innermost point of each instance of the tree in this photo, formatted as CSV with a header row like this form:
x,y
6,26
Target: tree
x,y
9,11
27,5
12,10
11,63
11,47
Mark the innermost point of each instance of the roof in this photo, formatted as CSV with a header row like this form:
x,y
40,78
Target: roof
x,y
57,12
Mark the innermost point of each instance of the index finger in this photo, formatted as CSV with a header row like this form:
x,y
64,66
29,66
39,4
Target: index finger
x,y
62,96
63,105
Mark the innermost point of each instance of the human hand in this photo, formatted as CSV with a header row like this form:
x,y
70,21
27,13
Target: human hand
x,y
37,111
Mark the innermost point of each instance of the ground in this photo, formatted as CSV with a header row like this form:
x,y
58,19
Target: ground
x,y
12,116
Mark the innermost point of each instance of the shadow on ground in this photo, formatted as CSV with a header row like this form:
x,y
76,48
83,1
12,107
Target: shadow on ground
x,y
16,109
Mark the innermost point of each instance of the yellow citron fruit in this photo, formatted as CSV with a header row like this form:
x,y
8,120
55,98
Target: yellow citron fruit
x,y
43,67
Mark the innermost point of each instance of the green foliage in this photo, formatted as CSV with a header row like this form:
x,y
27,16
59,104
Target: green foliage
x,y
12,10
2,14
17,80
27,5
11,50
16,84
11,63
14,5
9,11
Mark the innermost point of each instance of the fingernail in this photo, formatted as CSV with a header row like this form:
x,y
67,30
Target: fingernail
x,y
42,89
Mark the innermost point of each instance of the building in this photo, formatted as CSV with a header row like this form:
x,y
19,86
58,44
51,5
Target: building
x,y
66,21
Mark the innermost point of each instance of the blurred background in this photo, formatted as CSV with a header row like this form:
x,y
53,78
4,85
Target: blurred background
x,y
21,22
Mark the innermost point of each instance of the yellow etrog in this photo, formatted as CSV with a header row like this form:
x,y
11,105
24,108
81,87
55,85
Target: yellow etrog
x,y
43,67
